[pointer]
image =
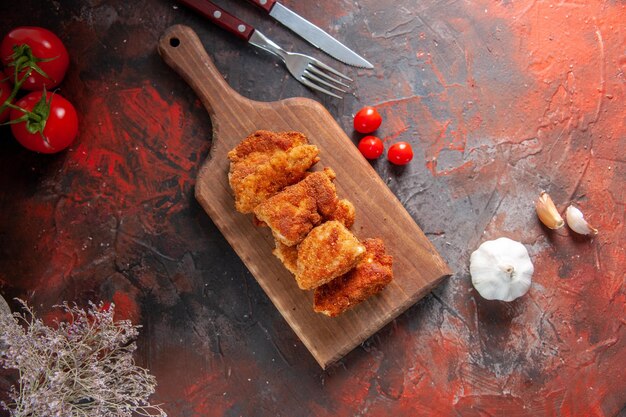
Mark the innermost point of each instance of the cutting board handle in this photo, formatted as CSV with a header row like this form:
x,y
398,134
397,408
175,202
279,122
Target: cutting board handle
x,y
182,50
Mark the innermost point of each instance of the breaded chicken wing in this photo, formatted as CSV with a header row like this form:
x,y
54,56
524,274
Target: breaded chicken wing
x,y
266,162
330,250
368,278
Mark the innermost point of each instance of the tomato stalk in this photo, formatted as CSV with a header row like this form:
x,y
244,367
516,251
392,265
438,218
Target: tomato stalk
x,y
24,60
35,119
16,88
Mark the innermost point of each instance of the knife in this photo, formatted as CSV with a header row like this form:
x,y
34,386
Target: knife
x,y
311,33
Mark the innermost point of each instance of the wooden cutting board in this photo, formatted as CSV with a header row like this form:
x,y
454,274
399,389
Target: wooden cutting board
x,y
417,265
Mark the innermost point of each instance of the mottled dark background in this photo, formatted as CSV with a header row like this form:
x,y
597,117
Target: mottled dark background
x,y
500,99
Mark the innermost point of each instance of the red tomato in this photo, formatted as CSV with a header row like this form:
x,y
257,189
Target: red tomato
x,y
48,51
5,92
371,147
400,153
367,120
54,131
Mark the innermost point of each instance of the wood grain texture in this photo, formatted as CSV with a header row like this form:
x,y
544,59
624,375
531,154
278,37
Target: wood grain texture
x,y
417,265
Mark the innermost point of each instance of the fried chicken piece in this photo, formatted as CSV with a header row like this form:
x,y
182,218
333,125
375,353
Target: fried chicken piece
x,y
288,255
265,142
344,213
330,250
266,162
368,278
293,212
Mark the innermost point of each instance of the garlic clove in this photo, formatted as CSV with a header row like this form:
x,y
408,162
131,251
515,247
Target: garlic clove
x,y
547,212
576,221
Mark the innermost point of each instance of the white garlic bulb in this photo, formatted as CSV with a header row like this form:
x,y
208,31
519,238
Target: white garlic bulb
x,y
501,269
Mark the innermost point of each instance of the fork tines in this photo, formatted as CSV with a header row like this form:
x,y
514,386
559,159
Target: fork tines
x,y
316,75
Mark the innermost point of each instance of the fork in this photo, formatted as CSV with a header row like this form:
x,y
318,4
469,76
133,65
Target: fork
x,y
309,71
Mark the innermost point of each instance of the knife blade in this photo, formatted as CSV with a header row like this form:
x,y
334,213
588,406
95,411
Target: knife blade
x,y
311,33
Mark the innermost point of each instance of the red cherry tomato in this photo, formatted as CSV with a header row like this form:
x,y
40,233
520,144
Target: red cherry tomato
x,y
371,147
367,120
400,153
5,92
48,51
59,130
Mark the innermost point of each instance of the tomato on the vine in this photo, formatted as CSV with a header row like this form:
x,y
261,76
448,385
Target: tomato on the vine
x,y
400,153
371,147
5,92
38,50
49,125
367,120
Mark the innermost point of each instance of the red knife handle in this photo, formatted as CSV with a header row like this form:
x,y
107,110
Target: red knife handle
x,y
221,17
264,4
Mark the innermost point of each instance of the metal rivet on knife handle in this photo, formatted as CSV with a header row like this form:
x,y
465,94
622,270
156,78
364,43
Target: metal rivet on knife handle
x,y
264,4
221,18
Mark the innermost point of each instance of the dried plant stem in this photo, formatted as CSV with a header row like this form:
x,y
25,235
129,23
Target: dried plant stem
x,y
83,367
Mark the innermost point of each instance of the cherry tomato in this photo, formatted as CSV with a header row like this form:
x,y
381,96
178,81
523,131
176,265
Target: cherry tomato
x,y
367,120
43,134
371,147
45,50
5,92
400,153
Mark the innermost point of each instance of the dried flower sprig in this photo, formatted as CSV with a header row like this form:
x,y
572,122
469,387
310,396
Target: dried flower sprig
x,y
83,367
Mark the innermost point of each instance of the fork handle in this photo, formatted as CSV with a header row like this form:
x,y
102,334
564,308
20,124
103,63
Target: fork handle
x,y
221,17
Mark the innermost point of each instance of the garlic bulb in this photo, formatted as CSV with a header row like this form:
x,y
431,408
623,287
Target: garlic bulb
x,y
547,212
501,269
576,221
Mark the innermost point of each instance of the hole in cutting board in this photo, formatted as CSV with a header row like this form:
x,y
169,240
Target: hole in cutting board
x,y
174,42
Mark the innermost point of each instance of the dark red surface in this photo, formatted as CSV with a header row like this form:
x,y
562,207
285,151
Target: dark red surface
x,y
499,100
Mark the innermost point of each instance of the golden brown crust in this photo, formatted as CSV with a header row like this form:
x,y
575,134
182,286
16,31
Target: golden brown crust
x,y
293,212
330,250
266,142
344,213
368,278
266,162
288,255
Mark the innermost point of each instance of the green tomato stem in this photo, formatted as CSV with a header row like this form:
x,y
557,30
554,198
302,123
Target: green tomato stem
x,y
13,106
24,60
16,88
